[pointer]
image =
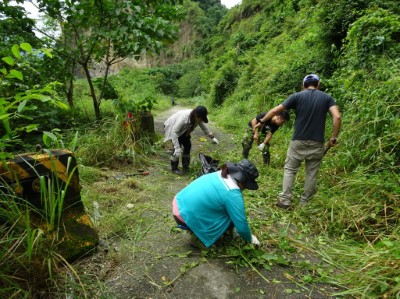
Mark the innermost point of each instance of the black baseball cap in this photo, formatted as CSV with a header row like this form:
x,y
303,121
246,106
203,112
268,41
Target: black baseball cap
x,y
202,112
244,172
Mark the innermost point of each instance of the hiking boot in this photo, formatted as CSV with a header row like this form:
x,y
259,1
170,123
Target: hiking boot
x,y
282,206
177,171
185,162
303,202
174,167
266,158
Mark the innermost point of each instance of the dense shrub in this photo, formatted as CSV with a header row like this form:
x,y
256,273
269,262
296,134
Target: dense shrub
x,y
189,85
224,83
335,18
374,34
167,77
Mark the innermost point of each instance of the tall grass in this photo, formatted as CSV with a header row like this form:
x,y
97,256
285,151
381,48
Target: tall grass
x,y
110,144
353,221
30,265
20,243
116,139
368,271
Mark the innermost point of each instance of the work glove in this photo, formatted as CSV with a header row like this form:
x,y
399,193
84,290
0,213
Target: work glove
x,y
235,234
255,241
214,140
177,152
261,146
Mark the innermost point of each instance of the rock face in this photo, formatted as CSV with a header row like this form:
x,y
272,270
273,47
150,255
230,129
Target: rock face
x,y
182,49
49,183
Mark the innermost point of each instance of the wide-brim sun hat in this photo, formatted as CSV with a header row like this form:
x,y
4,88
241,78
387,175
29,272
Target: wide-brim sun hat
x,y
202,112
244,172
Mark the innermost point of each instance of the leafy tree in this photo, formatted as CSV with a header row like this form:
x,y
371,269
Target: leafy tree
x,y
17,98
212,13
166,77
106,32
189,84
374,34
15,27
18,28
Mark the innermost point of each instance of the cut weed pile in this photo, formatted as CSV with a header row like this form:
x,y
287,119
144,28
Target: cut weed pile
x,y
142,254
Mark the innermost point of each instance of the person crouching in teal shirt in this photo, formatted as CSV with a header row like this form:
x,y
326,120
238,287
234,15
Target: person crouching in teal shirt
x,y
214,202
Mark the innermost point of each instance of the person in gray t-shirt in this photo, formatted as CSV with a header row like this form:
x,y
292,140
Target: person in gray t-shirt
x,y
311,107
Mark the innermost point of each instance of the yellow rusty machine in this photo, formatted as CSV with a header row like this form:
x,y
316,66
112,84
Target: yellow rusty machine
x,y
27,174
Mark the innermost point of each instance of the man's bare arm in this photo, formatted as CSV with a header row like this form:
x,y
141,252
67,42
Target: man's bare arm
x,y
271,113
336,119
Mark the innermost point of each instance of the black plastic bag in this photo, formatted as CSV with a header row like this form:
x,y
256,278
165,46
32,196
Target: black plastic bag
x,y
208,164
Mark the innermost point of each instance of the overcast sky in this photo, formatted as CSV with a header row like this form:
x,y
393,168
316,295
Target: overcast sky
x,y
32,9
230,3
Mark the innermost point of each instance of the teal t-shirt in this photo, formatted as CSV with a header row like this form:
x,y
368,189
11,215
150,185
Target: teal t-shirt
x,y
209,205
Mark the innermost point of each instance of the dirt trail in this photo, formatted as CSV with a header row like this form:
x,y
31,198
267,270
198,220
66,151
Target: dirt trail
x,y
158,261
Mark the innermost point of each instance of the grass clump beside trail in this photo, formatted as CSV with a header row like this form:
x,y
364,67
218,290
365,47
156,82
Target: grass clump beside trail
x,y
35,245
351,224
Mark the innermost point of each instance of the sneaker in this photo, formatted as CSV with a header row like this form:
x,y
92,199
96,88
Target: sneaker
x,y
282,206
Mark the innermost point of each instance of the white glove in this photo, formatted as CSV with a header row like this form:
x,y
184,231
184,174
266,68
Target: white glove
x,y
215,140
235,233
177,152
255,241
261,146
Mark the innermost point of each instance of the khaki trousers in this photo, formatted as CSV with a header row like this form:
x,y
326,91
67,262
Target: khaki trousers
x,y
301,150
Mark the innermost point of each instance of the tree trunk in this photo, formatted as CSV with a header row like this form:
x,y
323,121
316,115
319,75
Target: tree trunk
x,y
147,126
108,64
96,104
104,82
70,93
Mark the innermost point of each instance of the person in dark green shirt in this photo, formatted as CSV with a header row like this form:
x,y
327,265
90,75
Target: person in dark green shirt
x,y
262,134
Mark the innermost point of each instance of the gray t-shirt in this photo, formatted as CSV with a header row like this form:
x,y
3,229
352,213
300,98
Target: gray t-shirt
x,y
311,107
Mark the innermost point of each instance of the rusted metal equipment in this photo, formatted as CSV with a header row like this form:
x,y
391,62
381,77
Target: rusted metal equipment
x,y
28,173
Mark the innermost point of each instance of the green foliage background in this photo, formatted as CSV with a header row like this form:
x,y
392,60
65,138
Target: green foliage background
x,y
244,61
352,45
258,56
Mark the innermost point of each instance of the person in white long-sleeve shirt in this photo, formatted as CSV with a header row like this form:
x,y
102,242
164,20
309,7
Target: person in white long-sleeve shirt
x,y
178,128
